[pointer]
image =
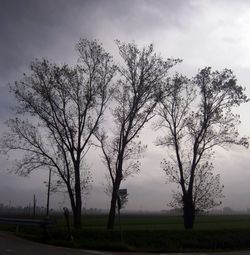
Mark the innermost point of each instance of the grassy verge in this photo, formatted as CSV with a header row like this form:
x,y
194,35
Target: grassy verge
x,y
150,240
152,233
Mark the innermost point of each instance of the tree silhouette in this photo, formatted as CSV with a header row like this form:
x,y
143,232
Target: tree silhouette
x,y
65,106
197,116
137,93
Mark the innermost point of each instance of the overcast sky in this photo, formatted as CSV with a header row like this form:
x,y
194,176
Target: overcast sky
x,y
212,33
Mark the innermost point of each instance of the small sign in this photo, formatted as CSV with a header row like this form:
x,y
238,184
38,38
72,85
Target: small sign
x,y
122,192
122,198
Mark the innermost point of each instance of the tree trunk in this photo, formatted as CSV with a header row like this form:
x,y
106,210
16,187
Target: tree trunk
x,y
77,217
78,196
76,204
77,214
116,186
111,217
188,211
78,211
73,205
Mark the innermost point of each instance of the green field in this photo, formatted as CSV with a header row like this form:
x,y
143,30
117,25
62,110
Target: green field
x,y
153,233
162,222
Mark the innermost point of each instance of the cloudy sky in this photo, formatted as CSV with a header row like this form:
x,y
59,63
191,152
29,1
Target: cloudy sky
x,y
212,33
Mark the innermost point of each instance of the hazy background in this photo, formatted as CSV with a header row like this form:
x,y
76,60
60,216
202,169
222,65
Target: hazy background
x,y
202,33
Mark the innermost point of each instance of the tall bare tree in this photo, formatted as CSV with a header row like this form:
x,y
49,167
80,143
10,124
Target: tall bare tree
x,y
65,106
138,91
196,117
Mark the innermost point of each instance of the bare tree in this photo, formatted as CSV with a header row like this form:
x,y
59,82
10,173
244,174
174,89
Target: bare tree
x,y
196,117
65,106
137,93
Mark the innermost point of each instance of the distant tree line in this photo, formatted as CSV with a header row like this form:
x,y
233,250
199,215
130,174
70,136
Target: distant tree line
x,y
61,112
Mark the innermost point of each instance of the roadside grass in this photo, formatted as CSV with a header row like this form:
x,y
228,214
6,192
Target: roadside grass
x,y
150,233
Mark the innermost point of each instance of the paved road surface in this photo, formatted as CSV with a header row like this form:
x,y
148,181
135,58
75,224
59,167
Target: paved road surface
x,y
12,245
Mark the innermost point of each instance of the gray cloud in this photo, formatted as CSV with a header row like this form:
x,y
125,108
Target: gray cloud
x,y
31,29
27,28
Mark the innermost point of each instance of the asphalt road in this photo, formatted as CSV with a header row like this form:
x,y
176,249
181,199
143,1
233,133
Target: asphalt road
x,y
12,245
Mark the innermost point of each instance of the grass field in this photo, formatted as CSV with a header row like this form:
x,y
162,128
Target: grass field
x,y
153,233
162,222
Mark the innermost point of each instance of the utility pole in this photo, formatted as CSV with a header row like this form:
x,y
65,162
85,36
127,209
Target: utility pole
x,y
48,194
